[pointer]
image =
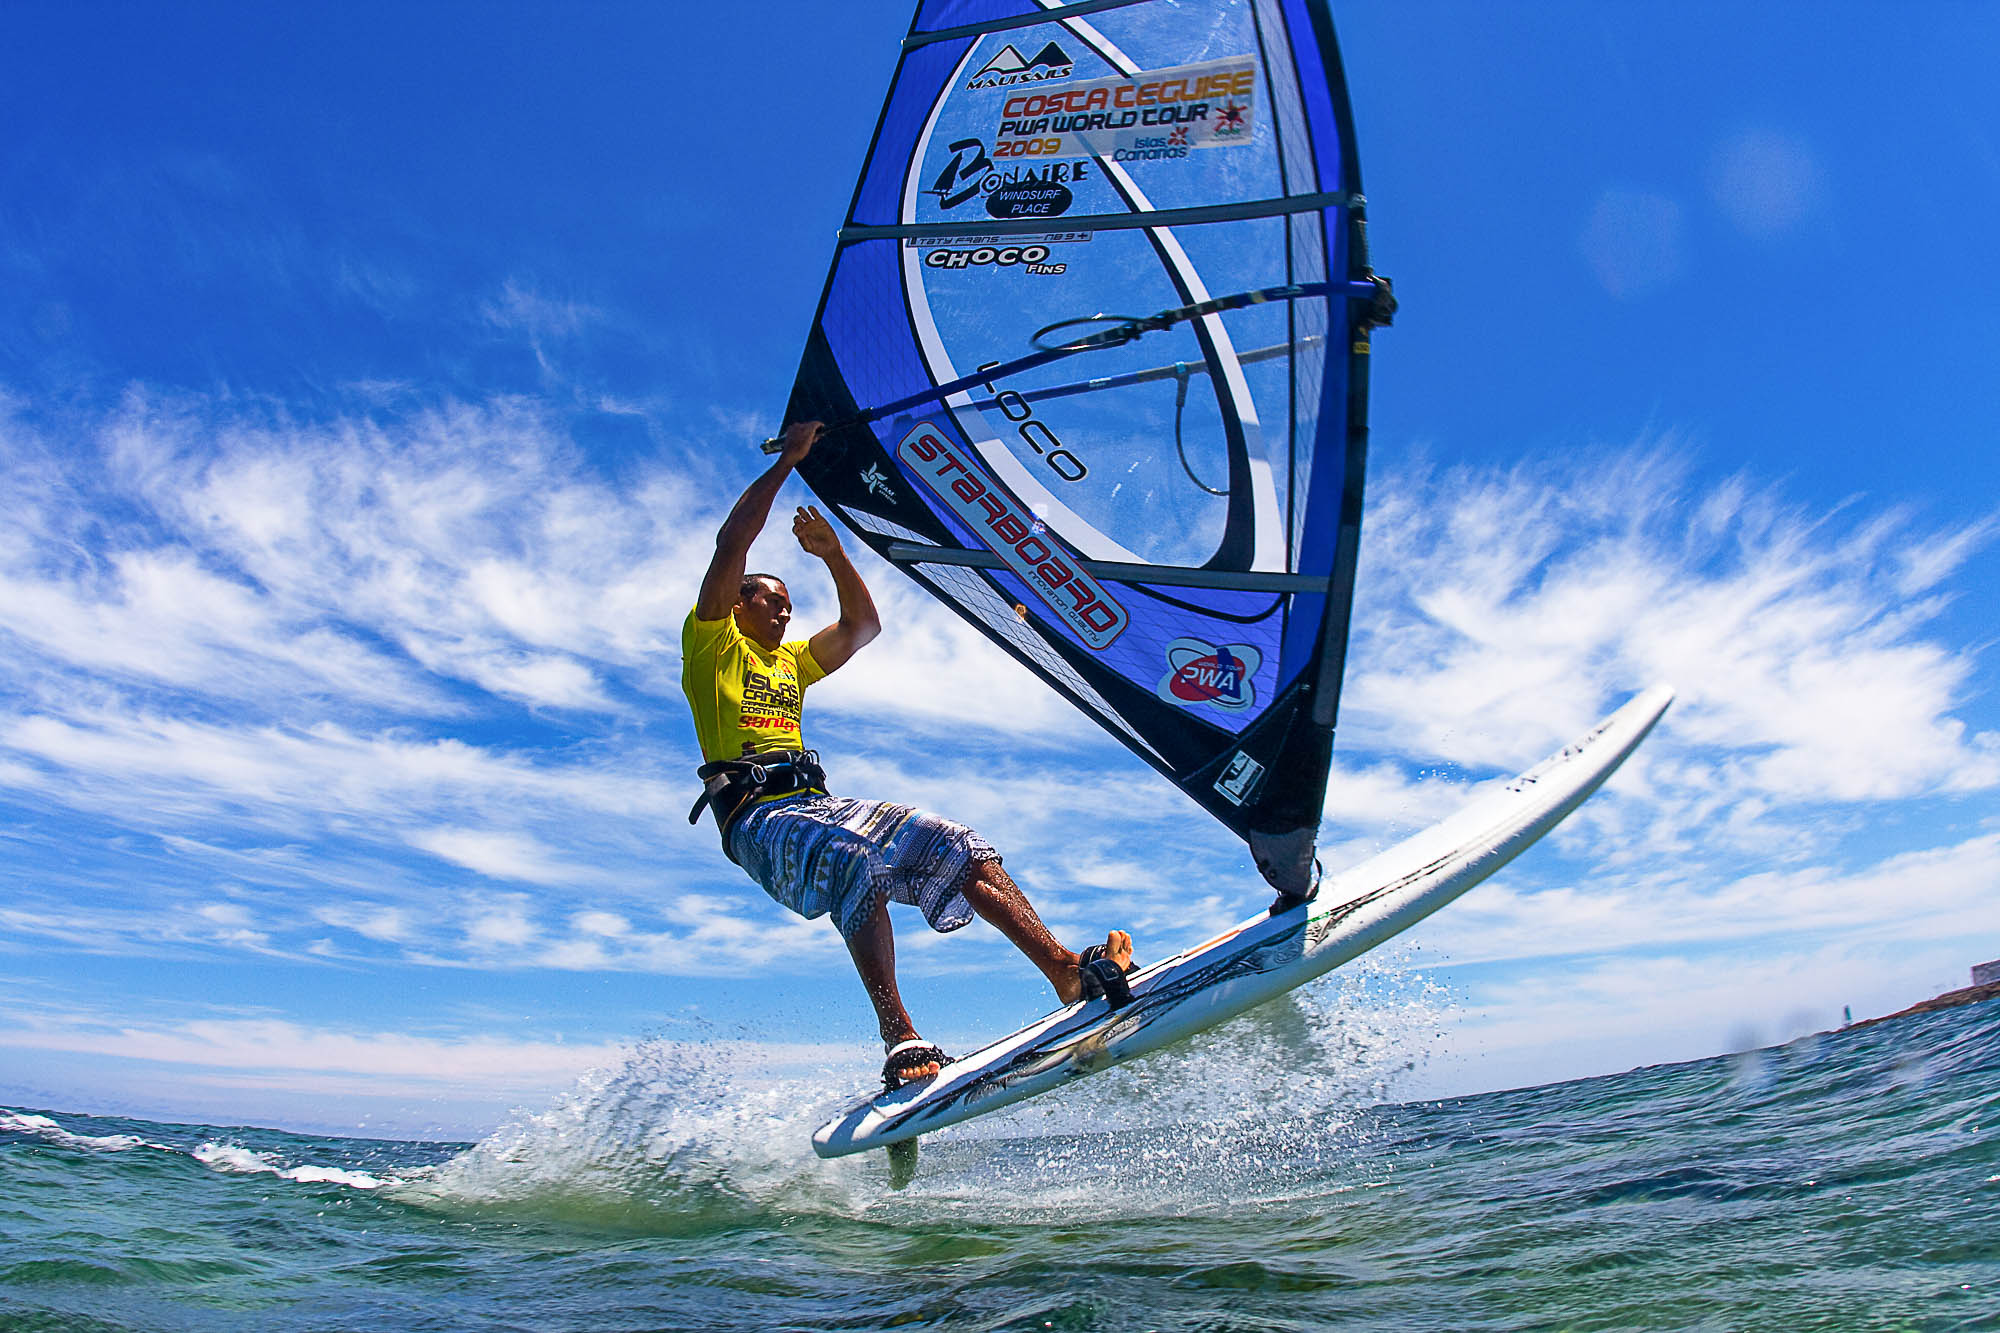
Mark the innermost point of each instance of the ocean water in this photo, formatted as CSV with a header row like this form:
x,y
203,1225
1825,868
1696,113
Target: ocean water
x,y
1847,1181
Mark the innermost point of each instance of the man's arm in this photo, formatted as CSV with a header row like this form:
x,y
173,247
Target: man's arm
x,y
722,585
858,624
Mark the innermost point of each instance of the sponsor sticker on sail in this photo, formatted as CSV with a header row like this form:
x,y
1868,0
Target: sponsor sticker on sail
x,y
1216,675
1012,533
1010,67
1155,115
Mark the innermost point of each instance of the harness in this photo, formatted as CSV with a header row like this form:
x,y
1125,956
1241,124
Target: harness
x,y
729,786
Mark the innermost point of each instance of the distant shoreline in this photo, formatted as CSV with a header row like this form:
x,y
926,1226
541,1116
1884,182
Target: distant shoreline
x,y
1951,999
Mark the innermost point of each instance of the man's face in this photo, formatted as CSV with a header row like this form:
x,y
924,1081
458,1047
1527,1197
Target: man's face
x,y
764,614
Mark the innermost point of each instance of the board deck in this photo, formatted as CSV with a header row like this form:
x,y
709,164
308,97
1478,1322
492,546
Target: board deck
x,y
1264,956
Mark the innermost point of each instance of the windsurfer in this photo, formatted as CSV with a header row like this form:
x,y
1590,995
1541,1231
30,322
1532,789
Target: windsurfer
x,y
819,854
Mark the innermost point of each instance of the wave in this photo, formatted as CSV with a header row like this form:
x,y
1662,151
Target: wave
x,y
46,1129
227,1155
687,1136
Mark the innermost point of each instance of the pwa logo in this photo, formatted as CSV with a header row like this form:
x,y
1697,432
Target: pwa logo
x,y
1199,672
1008,68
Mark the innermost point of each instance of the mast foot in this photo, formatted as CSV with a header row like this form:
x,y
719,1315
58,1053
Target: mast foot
x,y
1285,902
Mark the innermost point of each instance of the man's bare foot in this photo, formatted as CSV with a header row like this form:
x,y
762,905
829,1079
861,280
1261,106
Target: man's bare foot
x,y
1117,947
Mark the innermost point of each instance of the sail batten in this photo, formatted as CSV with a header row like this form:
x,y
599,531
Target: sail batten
x,y
1093,352
1124,221
1050,13
1165,576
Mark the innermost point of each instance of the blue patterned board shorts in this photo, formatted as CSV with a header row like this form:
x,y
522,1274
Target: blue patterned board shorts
x,y
829,854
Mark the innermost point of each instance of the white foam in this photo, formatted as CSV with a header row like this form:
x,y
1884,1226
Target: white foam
x,y
233,1159
226,1158
42,1127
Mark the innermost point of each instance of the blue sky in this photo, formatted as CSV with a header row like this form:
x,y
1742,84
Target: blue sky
x,y
372,381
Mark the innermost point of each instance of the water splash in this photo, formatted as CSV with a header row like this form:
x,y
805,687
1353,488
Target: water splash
x,y
1264,1109
683,1134
690,1134
696,1133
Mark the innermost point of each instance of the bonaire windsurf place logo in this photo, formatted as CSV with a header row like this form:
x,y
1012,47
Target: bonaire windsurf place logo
x,y
1008,68
1019,191
1219,675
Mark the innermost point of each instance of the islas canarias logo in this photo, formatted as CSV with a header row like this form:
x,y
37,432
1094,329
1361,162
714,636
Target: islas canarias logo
x,y
1218,675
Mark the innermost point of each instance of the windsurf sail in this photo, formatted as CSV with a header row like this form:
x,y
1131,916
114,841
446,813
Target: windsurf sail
x,y
1093,355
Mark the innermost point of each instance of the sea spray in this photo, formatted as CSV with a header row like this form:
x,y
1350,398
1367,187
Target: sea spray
x,y
1266,1107
693,1132
682,1134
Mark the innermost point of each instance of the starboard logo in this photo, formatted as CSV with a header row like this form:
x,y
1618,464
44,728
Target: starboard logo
x,y
1012,532
1008,68
1199,672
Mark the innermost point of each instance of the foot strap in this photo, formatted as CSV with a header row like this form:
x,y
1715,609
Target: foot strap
x,y
905,1056
1103,979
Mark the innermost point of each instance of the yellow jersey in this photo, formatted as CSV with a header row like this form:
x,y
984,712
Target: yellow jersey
x,y
745,700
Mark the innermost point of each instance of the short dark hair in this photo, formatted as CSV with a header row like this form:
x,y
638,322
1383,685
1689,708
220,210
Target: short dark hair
x,y
750,582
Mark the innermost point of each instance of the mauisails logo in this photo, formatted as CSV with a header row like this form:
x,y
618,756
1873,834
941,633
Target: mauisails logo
x,y
1008,68
1203,673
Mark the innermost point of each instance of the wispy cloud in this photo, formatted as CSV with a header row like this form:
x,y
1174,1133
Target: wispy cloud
x,y
519,307
1924,895
500,855
1500,610
396,1061
1615,1013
